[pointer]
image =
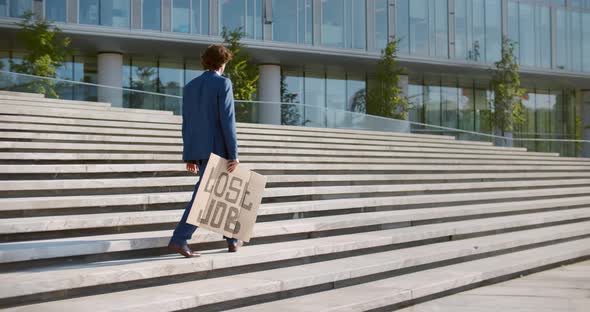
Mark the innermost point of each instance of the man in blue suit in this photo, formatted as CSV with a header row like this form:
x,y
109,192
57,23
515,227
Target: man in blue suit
x,y
208,126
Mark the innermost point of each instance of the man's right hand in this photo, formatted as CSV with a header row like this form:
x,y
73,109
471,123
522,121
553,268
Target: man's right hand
x,y
232,165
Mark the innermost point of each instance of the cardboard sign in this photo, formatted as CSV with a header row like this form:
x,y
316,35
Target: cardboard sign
x,y
227,203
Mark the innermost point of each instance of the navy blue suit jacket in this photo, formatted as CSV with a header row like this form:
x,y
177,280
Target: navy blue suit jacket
x,y
208,118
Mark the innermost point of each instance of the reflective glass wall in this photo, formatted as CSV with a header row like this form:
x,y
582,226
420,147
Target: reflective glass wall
x,y
114,13
344,23
55,10
246,14
157,75
573,40
422,27
529,25
151,15
15,8
334,90
190,16
478,30
292,21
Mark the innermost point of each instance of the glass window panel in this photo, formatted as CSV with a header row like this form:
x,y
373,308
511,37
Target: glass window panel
x,y
356,93
543,37
416,100
246,14
333,23
513,31
440,28
305,21
493,31
586,42
483,113
419,27
55,10
402,25
356,30
461,27
233,14
450,107
576,40
335,99
3,7
526,36
85,70
19,7
171,77
336,91
254,19
466,107
315,94
88,12
477,46
292,92
381,24
562,40
192,70
283,20
4,60
200,17
114,13
432,105
151,14
180,16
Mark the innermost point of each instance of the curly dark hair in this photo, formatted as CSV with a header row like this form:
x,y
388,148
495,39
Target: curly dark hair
x,y
215,56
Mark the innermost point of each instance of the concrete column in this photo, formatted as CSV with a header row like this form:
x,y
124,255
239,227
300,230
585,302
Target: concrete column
x,y
585,115
269,90
110,65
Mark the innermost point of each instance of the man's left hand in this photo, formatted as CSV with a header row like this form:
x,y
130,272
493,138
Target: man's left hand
x,y
190,167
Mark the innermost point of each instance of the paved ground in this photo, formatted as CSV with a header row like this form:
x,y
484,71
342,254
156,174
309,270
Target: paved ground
x,y
562,289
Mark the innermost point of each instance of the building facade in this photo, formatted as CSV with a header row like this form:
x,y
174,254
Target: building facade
x,y
323,52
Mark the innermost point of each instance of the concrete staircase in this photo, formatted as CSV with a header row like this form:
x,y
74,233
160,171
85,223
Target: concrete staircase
x,y
351,220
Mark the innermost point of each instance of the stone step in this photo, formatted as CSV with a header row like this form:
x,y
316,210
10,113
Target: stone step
x,y
372,133
125,219
67,277
255,134
78,113
36,123
244,149
80,184
198,293
276,142
32,100
382,294
109,243
23,94
143,154
392,180
56,169
311,130
51,279
469,193
45,102
565,288
91,106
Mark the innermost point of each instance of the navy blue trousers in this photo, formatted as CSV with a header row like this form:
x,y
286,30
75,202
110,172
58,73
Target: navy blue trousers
x,y
184,231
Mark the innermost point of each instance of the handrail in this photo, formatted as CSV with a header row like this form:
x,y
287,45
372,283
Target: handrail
x,y
491,136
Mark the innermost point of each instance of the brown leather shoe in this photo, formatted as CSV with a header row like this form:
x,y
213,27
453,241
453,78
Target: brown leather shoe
x,y
234,247
183,250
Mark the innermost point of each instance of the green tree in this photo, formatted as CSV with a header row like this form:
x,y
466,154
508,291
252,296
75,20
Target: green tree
x,y
243,74
385,98
47,49
508,94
